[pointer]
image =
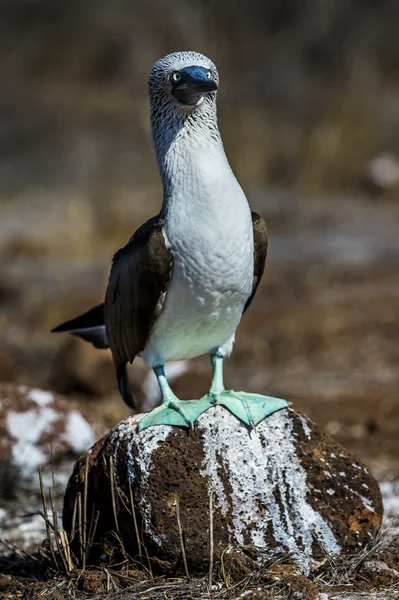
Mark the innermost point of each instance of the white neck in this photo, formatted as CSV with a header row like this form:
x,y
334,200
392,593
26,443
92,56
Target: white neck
x,y
194,168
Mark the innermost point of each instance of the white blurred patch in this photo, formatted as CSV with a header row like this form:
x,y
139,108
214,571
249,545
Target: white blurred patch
x,y
27,428
33,528
78,432
41,397
390,498
383,171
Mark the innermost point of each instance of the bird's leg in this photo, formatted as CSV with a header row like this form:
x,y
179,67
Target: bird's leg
x,y
217,385
248,408
168,396
182,413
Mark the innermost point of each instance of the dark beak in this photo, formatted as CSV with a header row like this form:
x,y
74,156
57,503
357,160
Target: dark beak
x,y
196,78
193,83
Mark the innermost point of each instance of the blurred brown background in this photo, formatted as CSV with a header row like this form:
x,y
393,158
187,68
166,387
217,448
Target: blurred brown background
x,y
309,112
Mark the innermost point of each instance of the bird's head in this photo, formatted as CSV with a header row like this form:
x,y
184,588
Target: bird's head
x,y
183,80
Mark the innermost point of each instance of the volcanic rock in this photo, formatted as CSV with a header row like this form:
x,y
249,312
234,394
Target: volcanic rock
x,y
37,427
285,487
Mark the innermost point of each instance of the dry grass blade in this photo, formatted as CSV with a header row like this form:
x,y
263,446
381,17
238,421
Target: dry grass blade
x,y
84,524
66,549
114,509
223,569
57,532
90,532
74,513
93,530
80,528
52,466
183,550
133,508
140,544
44,504
110,580
343,570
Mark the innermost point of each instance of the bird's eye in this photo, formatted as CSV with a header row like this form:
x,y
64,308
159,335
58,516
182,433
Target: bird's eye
x,y
209,75
176,76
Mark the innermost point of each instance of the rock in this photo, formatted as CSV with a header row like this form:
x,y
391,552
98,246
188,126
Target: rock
x,y
237,565
302,587
379,573
37,428
286,487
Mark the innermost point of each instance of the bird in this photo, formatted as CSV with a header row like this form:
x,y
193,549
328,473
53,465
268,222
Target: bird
x,y
179,287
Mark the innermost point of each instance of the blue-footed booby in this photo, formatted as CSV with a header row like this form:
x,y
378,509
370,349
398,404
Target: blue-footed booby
x,y
180,286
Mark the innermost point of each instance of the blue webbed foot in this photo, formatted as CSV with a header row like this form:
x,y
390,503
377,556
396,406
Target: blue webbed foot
x,y
181,413
251,409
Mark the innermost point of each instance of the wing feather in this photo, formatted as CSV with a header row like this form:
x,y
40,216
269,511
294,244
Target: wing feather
x,y
260,252
139,277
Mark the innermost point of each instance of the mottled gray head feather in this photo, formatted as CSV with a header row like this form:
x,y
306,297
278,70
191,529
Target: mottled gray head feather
x,y
170,118
159,82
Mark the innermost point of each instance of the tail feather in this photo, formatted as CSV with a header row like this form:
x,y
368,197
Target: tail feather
x,y
89,326
91,318
123,384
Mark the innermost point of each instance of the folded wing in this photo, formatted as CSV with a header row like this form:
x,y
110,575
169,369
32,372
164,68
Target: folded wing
x,y
260,252
137,285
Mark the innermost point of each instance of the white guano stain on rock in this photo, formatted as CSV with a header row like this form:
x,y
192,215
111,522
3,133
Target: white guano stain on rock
x,y
306,429
264,470
143,446
118,435
27,428
366,502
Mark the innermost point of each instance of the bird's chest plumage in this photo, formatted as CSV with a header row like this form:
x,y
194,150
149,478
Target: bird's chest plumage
x,y
212,265
212,274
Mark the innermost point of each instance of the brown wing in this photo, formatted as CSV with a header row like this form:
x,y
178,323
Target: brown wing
x,y
260,252
137,284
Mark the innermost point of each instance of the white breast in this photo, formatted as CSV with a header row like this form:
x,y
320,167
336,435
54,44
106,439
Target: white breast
x,y
208,228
